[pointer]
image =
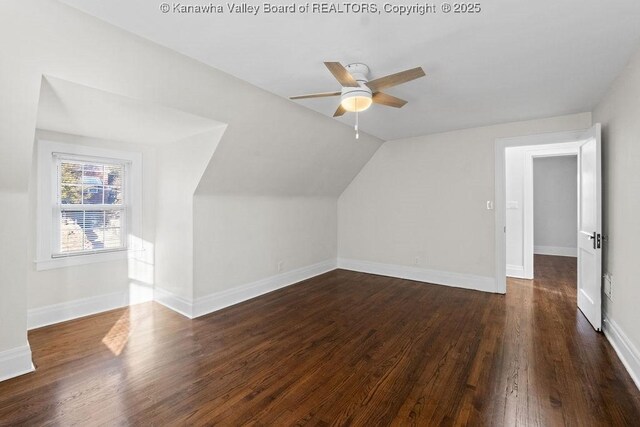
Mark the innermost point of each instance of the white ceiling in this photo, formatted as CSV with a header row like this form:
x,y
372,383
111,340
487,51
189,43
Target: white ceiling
x,y
515,60
81,110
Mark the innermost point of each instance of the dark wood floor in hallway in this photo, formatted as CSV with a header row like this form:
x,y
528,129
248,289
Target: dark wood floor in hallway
x,y
343,348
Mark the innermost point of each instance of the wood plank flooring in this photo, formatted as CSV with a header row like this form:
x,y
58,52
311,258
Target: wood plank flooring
x,y
343,348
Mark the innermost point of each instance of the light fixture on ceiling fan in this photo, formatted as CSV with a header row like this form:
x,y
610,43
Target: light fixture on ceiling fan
x,y
358,93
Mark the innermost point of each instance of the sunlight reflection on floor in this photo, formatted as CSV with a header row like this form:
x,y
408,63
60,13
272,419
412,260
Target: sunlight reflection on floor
x,y
117,337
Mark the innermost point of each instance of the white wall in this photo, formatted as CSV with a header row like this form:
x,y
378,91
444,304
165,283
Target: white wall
x,y
421,202
555,207
241,239
619,112
272,147
13,280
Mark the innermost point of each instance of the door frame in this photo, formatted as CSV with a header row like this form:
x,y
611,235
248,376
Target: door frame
x,y
546,141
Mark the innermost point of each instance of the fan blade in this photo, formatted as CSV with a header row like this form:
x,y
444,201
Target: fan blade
x,y
395,79
316,95
340,111
341,74
388,100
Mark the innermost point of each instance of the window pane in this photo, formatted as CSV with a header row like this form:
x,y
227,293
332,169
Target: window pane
x,y
71,234
92,190
70,194
92,184
95,170
113,195
92,195
113,219
93,219
94,238
114,174
70,173
92,227
112,238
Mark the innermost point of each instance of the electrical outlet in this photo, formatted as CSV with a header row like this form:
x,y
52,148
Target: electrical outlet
x,y
280,266
608,286
416,260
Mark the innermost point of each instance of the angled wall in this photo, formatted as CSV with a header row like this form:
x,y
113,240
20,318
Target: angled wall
x,y
240,239
268,209
314,155
180,168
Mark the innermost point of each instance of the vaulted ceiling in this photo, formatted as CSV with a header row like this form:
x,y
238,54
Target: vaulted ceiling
x,y
514,60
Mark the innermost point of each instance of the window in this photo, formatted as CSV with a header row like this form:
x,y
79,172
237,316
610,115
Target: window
x,y
88,204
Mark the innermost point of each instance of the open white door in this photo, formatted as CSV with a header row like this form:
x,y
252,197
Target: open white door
x,y
590,228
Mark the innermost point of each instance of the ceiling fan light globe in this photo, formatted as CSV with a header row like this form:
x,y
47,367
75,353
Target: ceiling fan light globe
x,y
356,103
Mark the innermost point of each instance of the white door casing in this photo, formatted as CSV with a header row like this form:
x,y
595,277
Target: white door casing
x,y
524,234
586,142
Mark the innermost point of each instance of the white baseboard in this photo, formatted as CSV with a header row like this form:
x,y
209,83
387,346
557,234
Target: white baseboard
x,y
15,362
627,352
174,302
555,250
56,313
458,280
219,300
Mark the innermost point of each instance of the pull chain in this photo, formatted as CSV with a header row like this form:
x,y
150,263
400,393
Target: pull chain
x,y
357,133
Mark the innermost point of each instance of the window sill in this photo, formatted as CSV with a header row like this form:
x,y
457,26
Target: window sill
x,y
75,260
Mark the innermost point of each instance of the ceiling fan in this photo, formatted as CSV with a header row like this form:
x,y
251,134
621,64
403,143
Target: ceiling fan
x,y
358,93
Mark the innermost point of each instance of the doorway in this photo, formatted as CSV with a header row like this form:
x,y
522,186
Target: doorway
x,y
555,206
554,184
515,214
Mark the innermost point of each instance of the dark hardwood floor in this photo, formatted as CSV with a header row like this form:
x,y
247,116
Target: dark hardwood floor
x,y
343,348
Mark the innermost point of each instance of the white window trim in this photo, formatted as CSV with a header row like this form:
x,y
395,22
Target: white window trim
x,y
47,189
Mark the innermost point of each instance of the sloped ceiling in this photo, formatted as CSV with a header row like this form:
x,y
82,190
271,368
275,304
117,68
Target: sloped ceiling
x,y
77,109
270,146
515,60
274,147
285,150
